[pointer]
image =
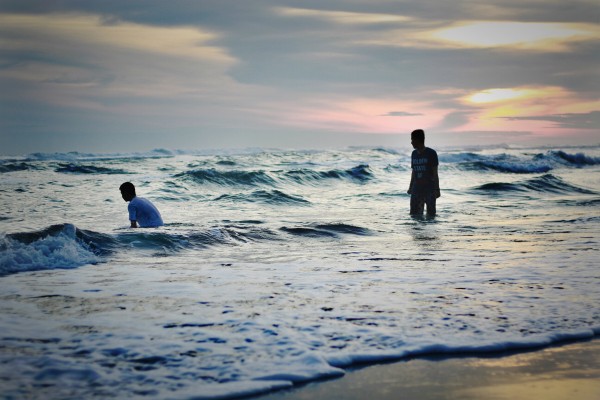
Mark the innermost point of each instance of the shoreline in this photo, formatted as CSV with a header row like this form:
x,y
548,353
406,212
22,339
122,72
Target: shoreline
x,y
570,370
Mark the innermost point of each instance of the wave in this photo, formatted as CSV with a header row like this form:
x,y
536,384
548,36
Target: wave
x,y
486,348
275,197
544,184
65,246
226,162
386,150
58,246
78,156
70,156
458,157
360,173
162,242
87,169
17,166
552,184
528,164
227,178
504,163
578,159
326,230
511,167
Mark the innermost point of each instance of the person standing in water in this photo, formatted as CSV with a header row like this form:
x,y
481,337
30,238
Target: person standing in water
x,y
141,211
424,186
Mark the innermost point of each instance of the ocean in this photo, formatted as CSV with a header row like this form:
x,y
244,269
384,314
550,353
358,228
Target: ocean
x,y
277,267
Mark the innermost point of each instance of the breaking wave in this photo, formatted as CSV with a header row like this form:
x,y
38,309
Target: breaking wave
x,y
58,246
65,246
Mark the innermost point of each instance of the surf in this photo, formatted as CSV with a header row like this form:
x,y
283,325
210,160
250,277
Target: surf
x,y
547,183
56,247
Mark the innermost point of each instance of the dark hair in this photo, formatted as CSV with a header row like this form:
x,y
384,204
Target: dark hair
x,y
418,134
128,188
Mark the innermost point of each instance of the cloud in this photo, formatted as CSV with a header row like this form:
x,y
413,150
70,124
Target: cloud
x,y
344,17
204,71
510,108
401,114
85,41
123,68
590,120
530,36
454,120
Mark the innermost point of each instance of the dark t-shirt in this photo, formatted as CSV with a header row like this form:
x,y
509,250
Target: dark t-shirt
x,y
423,164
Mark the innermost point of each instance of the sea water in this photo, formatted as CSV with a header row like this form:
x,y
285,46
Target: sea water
x,y
278,267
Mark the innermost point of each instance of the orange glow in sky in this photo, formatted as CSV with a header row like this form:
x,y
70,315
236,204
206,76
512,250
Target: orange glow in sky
x,y
527,35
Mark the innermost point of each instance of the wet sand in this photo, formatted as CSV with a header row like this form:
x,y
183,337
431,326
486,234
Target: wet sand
x,y
568,371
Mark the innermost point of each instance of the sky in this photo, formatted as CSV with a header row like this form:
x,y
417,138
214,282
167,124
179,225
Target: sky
x,y
131,76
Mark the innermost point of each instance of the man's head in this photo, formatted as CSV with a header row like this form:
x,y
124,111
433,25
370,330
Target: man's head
x,y
417,138
127,191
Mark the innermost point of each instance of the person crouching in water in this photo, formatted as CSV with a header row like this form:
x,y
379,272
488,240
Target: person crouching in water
x,y
141,211
424,182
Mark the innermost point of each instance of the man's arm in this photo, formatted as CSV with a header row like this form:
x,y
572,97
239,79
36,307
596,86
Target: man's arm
x,y
412,178
132,210
436,182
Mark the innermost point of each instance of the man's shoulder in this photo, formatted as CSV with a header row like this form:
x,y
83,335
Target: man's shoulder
x,y
144,202
431,153
136,201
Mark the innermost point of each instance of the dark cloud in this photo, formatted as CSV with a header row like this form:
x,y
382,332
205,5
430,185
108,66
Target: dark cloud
x,y
240,13
454,120
290,53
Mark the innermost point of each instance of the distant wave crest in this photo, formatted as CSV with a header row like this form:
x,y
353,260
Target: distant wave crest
x,y
16,166
227,178
326,230
578,159
87,169
512,167
273,197
547,183
358,174
507,163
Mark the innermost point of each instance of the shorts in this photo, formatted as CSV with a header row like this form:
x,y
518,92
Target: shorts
x,y
419,200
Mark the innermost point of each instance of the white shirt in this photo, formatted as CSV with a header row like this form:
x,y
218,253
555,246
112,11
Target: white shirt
x,y
144,212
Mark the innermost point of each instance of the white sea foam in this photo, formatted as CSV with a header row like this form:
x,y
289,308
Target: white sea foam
x,y
63,250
